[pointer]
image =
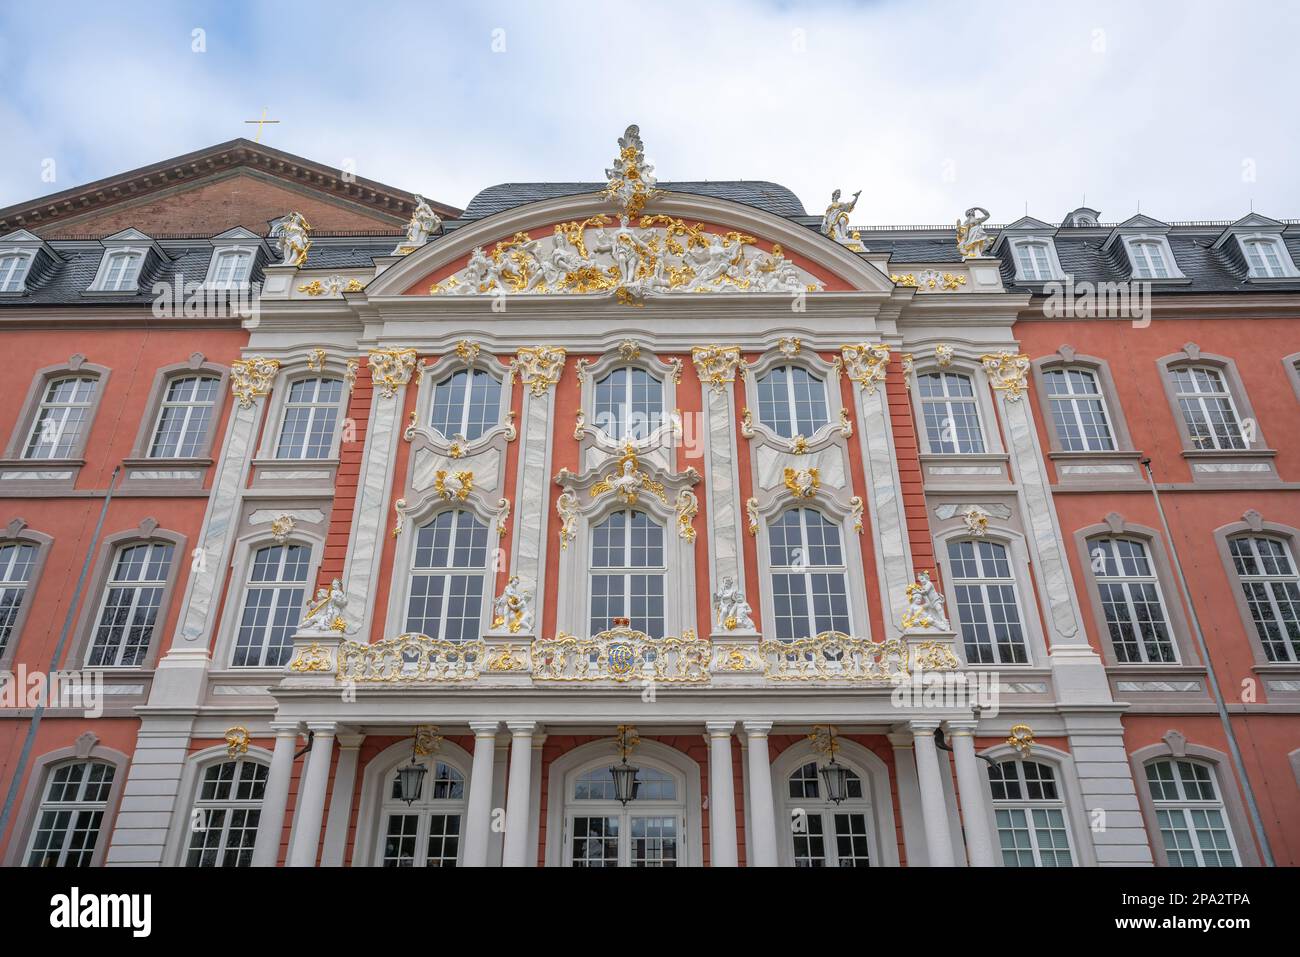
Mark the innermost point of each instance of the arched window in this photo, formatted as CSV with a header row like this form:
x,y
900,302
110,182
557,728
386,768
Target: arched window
x,y
63,412
1030,815
629,404
448,577
627,573
826,834
16,562
792,401
949,413
310,419
133,594
1264,258
809,592
1148,259
122,271
232,268
185,417
1034,262
425,833
466,403
1190,814
646,832
1131,600
987,607
1267,572
227,808
274,601
1078,410
70,815
1207,407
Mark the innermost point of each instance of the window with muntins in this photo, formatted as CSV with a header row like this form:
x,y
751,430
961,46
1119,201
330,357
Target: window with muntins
x,y
62,417
223,825
16,562
427,832
987,607
123,271
792,401
826,834
1148,260
132,599
311,415
1030,815
1266,570
13,271
628,568
70,815
1078,410
467,403
1264,259
629,404
1034,262
1208,409
646,832
185,417
949,413
274,601
809,587
232,268
1190,815
448,578
1131,600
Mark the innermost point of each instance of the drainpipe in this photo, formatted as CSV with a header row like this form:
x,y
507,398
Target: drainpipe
x,y
57,657
1234,748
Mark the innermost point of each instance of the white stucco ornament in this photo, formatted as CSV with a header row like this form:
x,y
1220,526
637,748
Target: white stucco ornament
x,y
972,240
835,222
423,224
290,234
513,608
925,606
734,613
326,613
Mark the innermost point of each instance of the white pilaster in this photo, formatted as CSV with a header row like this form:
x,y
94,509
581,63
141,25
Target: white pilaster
x,y
340,813
152,789
722,795
888,518
532,490
909,800
478,812
270,824
722,490
975,813
310,807
760,811
934,811
517,796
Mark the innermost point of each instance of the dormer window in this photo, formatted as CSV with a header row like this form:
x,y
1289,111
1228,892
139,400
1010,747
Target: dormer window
x,y
13,271
1265,257
235,254
1032,249
1033,261
231,268
126,256
1149,261
121,271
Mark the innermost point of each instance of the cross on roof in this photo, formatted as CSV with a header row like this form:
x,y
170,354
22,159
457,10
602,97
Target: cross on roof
x,y
260,123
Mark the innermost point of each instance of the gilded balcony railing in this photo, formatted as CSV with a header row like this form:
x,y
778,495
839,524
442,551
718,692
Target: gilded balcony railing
x,y
834,656
411,658
621,654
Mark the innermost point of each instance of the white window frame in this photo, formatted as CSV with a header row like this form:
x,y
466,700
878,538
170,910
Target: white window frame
x,y
446,572
1285,267
11,613
203,809
246,585
1072,400
1124,581
76,807
791,404
625,405
1183,805
638,808
136,586
1270,582
946,401
807,571
1199,397
191,407
800,811
45,404
1046,270
316,409
472,372
982,583
423,809
627,570
1026,805
128,280
1142,262
239,279
15,264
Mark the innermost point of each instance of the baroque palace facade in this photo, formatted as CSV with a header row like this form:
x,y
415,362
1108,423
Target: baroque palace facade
x,y
626,523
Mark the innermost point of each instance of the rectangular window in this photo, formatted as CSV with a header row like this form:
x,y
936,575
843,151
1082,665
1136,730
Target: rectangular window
x,y
448,578
1264,259
987,607
61,418
16,561
122,271
13,271
1207,407
69,818
184,417
310,416
131,602
949,413
1267,573
595,841
1148,260
1131,600
1078,411
273,606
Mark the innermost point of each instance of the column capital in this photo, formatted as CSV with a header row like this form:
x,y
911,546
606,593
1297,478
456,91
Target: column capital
x,y
350,740
901,740
720,729
757,729
327,728
923,726
485,729
522,729
286,729
962,726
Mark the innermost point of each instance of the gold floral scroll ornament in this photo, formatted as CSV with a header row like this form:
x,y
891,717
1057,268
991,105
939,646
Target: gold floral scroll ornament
x,y
751,514
865,364
312,658
933,656
538,368
316,360
251,378
451,485
566,507
427,740
506,659
718,366
687,506
1006,372
858,507
391,368
1022,738
237,741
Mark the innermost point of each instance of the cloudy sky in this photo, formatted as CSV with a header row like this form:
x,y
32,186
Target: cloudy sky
x,y
1184,108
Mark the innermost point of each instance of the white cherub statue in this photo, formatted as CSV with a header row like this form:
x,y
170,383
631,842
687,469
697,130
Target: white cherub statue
x,y
733,611
925,606
513,609
326,613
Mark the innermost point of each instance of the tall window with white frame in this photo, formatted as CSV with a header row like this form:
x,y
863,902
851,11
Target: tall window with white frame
x,y
185,417
426,832
232,268
1029,812
809,588
987,607
1190,814
628,404
792,401
467,403
122,271
627,573
311,415
1131,600
949,413
274,599
448,577
13,271
825,834
1034,262
16,562
1264,259
646,832
132,598
1207,407
1078,410
1148,259
70,815
1266,569
227,808
61,418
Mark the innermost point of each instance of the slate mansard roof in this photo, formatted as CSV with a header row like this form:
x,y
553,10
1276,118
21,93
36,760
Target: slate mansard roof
x,y
770,197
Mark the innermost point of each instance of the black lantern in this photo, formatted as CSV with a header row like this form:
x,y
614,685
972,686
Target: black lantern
x,y
834,775
624,774
410,778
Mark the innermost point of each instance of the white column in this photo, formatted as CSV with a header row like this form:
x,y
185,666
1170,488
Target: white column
x,y
478,812
934,811
909,800
758,800
517,795
270,823
975,815
722,795
340,815
311,797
